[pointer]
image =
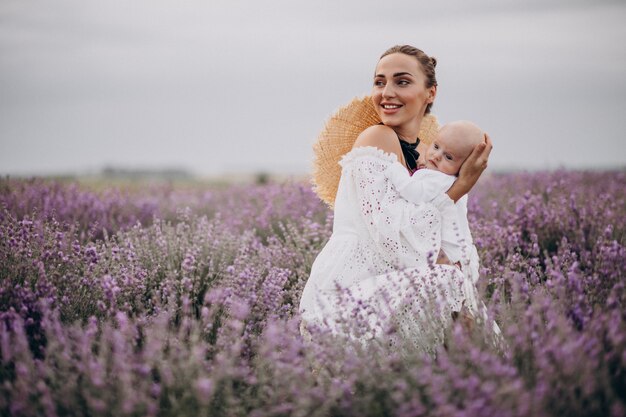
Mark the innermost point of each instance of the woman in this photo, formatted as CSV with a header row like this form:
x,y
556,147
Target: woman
x,y
382,245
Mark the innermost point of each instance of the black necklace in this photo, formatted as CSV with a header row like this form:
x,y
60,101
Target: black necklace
x,y
410,153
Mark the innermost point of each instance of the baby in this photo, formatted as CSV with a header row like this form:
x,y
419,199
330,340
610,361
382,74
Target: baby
x,y
451,147
438,167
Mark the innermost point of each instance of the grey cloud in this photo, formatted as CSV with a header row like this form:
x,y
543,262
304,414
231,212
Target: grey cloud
x,y
236,86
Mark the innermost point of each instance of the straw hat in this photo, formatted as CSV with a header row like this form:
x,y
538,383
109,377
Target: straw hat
x,y
338,136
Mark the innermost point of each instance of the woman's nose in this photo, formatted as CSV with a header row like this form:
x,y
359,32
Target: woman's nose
x,y
388,91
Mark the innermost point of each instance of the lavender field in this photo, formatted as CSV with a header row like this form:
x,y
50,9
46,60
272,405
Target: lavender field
x,y
182,301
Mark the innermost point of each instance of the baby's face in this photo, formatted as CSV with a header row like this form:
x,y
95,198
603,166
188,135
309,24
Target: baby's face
x,y
448,151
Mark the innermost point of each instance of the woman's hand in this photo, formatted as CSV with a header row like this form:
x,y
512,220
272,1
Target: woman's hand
x,y
471,169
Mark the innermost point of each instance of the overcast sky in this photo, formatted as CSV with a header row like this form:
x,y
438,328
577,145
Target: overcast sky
x,y
245,86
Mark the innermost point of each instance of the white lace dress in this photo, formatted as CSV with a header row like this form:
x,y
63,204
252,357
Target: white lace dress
x,y
377,269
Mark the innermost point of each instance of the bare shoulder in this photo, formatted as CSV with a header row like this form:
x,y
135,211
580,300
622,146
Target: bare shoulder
x,y
381,137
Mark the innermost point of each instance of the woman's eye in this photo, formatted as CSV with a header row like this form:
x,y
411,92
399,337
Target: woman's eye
x,y
403,82
378,83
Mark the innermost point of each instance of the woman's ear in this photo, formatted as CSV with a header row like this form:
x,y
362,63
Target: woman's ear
x,y
432,93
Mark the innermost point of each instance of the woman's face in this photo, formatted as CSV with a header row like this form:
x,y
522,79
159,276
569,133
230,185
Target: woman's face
x,y
399,92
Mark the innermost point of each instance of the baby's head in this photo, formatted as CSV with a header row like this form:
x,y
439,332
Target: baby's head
x,y
452,145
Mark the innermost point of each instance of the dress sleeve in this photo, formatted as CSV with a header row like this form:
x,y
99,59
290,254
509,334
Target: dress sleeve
x,y
405,233
470,258
419,188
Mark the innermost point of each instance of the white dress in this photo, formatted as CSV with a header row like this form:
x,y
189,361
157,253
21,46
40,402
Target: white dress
x,y
380,260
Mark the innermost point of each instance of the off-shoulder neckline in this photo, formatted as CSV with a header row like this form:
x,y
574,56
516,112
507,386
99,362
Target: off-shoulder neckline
x,y
360,151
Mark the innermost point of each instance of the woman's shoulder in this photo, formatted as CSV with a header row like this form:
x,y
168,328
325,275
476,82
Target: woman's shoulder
x,y
381,137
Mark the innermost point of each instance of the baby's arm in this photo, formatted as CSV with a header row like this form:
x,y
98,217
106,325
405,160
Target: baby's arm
x,y
422,187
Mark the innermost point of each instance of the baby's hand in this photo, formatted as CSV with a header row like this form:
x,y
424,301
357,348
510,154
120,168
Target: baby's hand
x,y
421,161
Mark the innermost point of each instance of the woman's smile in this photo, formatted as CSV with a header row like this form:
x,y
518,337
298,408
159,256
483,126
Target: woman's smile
x,y
390,108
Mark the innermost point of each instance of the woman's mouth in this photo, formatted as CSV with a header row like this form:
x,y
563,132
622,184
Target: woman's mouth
x,y
390,108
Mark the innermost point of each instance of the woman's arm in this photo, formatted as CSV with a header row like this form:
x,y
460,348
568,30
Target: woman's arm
x,y
471,170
